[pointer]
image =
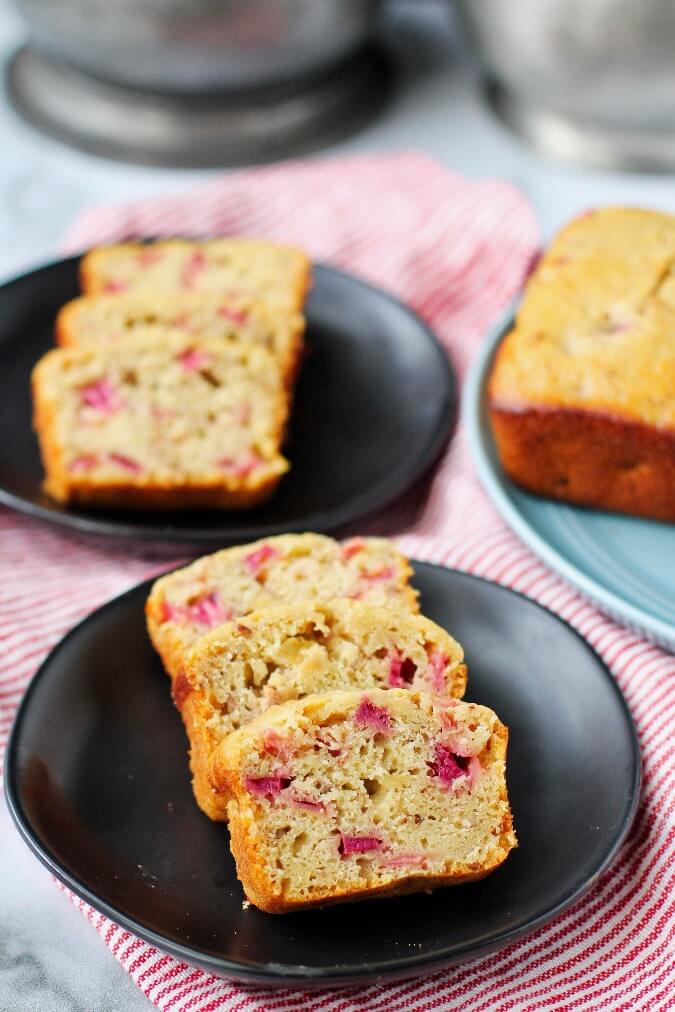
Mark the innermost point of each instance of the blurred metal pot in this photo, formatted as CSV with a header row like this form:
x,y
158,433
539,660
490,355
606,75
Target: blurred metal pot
x,y
199,45
592,80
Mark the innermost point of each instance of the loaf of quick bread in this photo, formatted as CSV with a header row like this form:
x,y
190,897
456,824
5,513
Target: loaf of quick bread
x,y
231,267
187,603
352,795
582,390
165,423
293,650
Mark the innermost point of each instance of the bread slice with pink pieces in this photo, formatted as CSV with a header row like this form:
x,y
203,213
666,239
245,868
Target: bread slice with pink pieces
x,y
104,320
231,267
355,795
290,651
187,603
161,424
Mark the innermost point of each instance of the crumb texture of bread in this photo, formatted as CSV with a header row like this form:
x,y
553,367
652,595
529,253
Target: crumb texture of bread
x,y
237,266
294,650
582,390
351,795
103,320
164,423
189,602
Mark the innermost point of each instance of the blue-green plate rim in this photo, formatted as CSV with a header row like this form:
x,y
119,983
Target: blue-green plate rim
x,y
484,458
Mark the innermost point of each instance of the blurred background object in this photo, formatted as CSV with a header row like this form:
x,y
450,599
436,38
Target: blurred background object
x,y
592,81
209,82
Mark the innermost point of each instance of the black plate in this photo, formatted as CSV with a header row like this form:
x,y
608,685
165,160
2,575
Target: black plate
x,y
374,407
98,785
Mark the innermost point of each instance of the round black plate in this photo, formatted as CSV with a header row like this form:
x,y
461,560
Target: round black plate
x,y
374,406
98,785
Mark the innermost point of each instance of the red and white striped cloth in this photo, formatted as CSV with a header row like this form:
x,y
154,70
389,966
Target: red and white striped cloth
x,y
457,251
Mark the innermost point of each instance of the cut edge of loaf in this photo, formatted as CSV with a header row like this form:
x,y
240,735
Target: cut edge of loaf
x,y
141,491
245,835
197,701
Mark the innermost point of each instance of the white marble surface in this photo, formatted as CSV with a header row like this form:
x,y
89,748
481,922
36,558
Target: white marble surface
x,y
51,960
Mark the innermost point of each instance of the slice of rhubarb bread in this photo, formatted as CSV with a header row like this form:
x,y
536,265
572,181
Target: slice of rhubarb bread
x,y
161,424
109,319
290,651
353,795
279,274
187,603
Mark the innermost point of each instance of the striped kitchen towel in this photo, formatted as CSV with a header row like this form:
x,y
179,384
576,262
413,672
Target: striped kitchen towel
x,y
456,250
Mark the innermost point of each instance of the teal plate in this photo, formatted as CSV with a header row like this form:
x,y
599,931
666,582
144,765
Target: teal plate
x,y
623,564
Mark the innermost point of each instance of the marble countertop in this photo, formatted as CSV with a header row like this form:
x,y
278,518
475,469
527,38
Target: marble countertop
x,y
51,959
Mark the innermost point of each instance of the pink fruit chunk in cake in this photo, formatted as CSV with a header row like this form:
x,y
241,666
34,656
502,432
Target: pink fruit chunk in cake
x,y
447,766
308,804
358,845
103,396
436,674
193,359
379,575
401,671
208,611
255,561
352,547
126,462
239,316
83,463
114,286
194,265
368,714
149,255
242,465
264,787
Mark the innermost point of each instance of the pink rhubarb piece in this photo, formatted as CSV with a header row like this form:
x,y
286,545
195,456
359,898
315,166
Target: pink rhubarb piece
x,y
209,610
193,359
241,466
448,766
277,745
114,287
436,673
352,547
308,805
266,786
358,844
401,671
239,316
368,714
128,463
195,264
149,255
103,396
83,463
257,559
379,575
405,861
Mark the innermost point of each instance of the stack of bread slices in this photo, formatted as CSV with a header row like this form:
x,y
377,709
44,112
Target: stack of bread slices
x,y
172,384
326,725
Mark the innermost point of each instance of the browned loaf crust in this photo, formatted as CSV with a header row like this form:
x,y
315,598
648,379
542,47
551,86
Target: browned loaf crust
x,y
287,652
413,797
187,603
582,390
